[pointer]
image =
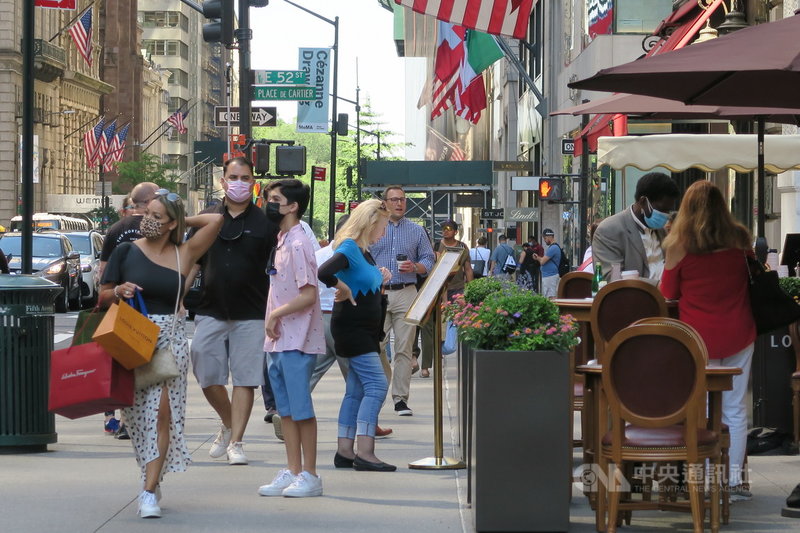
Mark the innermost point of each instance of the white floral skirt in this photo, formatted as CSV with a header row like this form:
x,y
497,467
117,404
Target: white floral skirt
x,y
142,418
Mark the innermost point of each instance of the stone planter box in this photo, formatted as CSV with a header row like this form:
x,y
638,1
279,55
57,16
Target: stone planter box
x,y
519,447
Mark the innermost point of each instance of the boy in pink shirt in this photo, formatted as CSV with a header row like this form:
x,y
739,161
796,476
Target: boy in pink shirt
x,y
294,337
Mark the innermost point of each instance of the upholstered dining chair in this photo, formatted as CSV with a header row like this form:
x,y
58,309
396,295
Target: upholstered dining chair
x,y
577,285
620,304
725,435
654,383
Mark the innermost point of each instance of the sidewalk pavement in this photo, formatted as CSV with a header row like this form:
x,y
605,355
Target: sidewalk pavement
x,y
89,481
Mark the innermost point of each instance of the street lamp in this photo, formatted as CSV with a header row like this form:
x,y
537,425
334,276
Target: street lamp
x,y
335,24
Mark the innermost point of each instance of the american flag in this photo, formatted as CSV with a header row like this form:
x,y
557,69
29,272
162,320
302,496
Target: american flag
x,y
497,17
176,120
457,154
116,148
104,144
81,33
91,140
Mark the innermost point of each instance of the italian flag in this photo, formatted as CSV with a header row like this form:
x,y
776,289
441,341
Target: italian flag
x,y
462,87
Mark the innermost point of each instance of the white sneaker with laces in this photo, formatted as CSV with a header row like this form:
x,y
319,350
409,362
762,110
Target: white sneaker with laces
x,y
283,479
303,486
221,442
236,454
148,506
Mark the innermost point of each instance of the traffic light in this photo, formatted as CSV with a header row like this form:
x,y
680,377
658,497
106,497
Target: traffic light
x,y
290,160
220,30
341,125
551,189
261,158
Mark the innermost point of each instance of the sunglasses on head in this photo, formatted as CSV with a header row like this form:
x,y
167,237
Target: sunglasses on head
x,y
171,196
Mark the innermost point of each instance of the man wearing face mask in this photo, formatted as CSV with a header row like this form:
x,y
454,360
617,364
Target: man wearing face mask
x,y
633,236
229,324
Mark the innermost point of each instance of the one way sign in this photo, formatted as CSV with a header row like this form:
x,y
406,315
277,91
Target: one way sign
x,y
259,116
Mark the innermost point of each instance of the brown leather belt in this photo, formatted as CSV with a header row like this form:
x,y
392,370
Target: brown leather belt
x,y
398,286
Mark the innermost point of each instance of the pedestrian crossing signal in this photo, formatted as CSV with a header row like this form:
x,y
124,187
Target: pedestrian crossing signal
x,y
551,189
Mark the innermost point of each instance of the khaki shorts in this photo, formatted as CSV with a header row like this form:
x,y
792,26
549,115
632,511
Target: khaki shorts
x,y
222,347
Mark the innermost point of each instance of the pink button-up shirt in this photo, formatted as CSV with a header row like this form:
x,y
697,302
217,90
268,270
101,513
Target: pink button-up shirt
x,y
296,268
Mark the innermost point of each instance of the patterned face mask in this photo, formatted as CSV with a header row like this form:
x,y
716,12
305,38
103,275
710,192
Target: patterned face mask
x,y
150,228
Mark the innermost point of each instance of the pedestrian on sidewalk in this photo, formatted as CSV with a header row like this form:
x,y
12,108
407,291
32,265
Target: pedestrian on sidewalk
x,y
229,321
150,265
357,328
549,262
705,270
405,251
125,229
294,337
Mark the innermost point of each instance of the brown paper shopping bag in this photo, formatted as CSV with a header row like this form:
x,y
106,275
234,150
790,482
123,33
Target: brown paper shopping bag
x,y
128,335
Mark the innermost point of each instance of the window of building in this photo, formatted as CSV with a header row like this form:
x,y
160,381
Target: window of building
x,y
176,103
640,16
532,54
158,47
164,19
179,77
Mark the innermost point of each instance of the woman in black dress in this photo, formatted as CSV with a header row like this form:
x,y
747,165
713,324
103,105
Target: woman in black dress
x,y
153,265
357,328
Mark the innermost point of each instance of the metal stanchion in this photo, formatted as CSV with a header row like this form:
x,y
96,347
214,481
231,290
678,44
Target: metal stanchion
x,y
438,461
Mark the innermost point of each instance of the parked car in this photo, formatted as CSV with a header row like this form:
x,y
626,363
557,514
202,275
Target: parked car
x,y
88,244
54,259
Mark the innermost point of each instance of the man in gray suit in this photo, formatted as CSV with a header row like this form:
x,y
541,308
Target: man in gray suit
x,y
633,236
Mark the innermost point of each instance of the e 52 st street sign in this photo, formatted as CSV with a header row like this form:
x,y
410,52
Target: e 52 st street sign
x,y
279,77
284,93
259,116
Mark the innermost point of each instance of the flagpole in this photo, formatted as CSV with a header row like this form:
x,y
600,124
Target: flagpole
x,y
164,122
163,132
76,17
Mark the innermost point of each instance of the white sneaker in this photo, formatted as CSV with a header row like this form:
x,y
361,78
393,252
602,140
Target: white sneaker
x,y
303,486
236,454
277,426
148,506
221,442
283,479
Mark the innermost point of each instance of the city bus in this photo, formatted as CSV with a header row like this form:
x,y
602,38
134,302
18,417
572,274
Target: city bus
x,y
54,222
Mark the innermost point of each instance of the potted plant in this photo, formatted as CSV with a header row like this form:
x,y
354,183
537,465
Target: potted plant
x,y
518,410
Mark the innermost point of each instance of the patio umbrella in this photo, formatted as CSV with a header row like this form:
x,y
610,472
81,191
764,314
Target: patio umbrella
x,y
755,66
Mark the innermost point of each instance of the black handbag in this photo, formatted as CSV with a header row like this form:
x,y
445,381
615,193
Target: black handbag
x,y
772,308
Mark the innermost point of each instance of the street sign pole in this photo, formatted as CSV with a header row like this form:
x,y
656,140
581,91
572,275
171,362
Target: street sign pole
x,y
244,34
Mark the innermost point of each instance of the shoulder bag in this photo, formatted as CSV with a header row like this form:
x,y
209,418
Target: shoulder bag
x,y
163,365
772,308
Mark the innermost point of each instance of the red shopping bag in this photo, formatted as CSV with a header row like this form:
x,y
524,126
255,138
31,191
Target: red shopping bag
x,y
85,380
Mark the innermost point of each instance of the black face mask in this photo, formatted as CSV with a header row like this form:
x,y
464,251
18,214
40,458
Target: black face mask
x,y
274,212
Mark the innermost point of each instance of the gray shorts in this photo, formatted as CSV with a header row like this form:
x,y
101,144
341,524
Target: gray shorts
x,y
223,346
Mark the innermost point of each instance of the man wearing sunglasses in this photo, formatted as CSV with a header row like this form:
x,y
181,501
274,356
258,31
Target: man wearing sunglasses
x,y
229,321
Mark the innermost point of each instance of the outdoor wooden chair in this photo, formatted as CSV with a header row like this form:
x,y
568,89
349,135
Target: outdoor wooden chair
x,y
725,435
577,285
655,386
621,303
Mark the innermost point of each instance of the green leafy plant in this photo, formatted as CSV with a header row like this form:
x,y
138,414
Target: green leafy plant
x,y
510,319
479,289
791,286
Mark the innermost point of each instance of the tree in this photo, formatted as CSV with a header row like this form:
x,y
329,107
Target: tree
x,y
148,167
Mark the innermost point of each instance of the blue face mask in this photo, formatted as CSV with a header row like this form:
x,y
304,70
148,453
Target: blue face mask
x,y
656,219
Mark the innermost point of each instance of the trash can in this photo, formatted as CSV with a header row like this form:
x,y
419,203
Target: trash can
x,y
26,340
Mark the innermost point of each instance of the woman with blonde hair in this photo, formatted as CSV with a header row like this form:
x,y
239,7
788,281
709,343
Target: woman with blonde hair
x,y
706,270
357,329
157,266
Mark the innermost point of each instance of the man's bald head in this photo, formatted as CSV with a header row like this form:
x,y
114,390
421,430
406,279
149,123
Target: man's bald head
x,y
142,194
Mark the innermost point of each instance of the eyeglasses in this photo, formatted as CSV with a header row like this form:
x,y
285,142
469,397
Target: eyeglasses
x,y
448,228
396,200
271,270
171,196
232,231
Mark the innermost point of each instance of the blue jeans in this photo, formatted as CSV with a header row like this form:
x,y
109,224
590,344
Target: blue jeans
x,y
365,391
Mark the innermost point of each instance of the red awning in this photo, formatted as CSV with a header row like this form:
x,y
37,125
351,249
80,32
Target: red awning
x,y
687,21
